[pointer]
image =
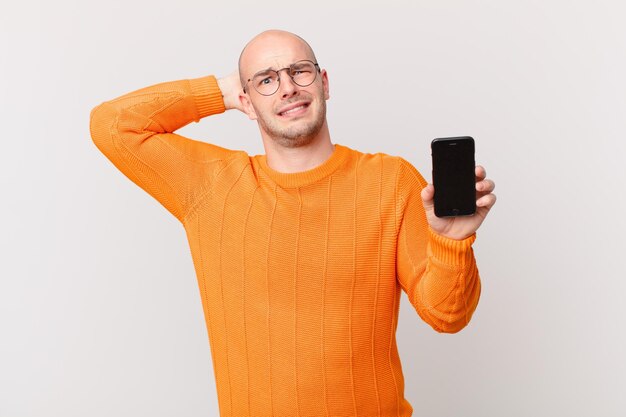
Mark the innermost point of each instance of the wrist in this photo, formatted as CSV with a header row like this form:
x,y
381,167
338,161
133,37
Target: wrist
x,y
448,250
207,95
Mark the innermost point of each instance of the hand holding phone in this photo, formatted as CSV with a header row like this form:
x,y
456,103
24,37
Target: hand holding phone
x,y
454,169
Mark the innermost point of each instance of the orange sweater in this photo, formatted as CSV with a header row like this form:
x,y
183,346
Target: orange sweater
x,y
299,273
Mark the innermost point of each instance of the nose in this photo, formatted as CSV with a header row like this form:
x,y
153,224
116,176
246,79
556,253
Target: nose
x,y
287,87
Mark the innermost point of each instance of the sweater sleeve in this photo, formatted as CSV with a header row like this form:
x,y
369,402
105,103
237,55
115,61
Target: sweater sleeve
x,y
135,132
439,275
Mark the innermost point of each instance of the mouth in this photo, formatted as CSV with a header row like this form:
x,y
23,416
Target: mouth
x,y
293,110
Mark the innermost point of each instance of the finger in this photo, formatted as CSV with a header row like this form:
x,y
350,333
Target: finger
x,y
480,173
486,201
485,186
428,194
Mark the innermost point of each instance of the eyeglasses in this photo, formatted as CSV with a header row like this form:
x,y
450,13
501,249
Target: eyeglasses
x,y
302,73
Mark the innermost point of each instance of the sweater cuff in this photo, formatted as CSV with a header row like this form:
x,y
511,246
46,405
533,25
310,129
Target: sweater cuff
x,y
208,96
450,251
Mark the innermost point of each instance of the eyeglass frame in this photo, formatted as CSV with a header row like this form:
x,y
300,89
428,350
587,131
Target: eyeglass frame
x,y
315,65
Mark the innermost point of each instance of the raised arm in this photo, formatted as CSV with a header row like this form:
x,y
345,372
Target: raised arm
x,y
438,274
135,132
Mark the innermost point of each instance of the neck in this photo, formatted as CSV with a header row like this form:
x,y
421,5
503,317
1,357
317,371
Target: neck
x,y
301,158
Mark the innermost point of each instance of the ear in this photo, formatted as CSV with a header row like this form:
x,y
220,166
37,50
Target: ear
x,y
324,76
247,106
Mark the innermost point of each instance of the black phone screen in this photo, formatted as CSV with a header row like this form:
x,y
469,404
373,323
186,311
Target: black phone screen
x,y
454,176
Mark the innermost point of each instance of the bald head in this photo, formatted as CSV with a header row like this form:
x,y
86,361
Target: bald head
x,y
271,46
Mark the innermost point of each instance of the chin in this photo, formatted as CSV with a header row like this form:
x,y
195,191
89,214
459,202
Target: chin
x,y
296,136
295,132
293,143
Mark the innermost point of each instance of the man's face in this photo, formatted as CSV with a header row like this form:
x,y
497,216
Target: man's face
x,y
293,115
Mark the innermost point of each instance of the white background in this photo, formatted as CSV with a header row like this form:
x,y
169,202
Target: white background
x,y
99,309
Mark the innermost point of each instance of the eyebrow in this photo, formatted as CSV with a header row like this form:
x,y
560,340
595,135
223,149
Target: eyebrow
x,y
263,72
272,68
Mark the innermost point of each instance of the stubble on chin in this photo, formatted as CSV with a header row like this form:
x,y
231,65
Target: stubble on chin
x,y
294,136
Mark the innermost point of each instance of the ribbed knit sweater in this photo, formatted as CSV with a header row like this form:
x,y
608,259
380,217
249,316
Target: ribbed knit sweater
x,y
299,273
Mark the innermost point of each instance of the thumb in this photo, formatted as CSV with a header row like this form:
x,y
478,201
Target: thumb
x,y
428,194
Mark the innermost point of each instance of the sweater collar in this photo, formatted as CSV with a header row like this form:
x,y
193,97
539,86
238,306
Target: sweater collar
x,y
302,178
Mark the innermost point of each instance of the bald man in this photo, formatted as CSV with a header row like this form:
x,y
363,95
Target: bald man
x,y
300,253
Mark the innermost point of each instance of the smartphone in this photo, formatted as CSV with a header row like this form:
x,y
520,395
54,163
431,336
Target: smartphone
x,y
454,176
